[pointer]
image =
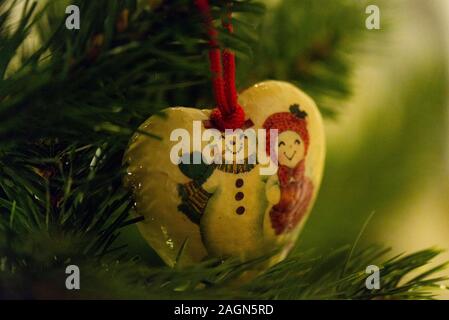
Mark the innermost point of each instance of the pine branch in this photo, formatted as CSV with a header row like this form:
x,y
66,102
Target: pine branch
x,y
312,43
105,79
299,277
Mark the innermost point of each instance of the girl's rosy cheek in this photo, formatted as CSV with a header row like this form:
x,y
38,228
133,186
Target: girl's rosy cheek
x,y
297,147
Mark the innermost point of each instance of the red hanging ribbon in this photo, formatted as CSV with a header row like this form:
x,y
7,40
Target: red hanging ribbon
x,y
228,114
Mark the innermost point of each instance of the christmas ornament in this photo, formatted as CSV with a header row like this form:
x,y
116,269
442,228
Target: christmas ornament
x,y
228,208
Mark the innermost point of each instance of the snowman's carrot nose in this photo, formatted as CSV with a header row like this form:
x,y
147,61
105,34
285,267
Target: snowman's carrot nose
x,y
228,114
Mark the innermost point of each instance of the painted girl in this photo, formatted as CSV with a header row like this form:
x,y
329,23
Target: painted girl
x,y
290,191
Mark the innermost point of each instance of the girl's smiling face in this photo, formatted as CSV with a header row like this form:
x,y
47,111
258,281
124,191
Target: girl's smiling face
x,y
290,148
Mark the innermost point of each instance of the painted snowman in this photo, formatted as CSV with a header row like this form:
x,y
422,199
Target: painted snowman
x,y
230,195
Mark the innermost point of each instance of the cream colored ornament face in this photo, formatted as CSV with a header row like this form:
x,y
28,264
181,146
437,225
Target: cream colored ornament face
x,y
224,210
290,148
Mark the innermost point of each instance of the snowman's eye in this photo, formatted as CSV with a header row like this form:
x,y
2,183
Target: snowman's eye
x,y
297,141
282,143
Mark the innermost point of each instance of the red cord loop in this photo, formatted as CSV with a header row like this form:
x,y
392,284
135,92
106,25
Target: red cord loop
x,y
229,114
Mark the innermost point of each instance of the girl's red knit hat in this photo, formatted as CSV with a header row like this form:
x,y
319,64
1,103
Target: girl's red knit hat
x,y
295,120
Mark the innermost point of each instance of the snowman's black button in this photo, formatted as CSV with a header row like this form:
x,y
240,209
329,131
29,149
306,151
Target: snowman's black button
x,y
239,196
240,210
239,183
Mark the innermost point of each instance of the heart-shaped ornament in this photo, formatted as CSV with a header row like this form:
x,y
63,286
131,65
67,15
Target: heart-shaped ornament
x,y
231,208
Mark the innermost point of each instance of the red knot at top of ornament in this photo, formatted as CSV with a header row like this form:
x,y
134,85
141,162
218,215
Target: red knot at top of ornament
x,y
234,120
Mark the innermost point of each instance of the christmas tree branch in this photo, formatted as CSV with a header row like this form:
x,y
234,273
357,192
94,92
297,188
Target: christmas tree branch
x,y
304,276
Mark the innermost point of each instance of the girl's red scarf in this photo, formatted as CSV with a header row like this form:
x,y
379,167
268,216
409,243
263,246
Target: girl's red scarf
x,y
286,174
296,193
